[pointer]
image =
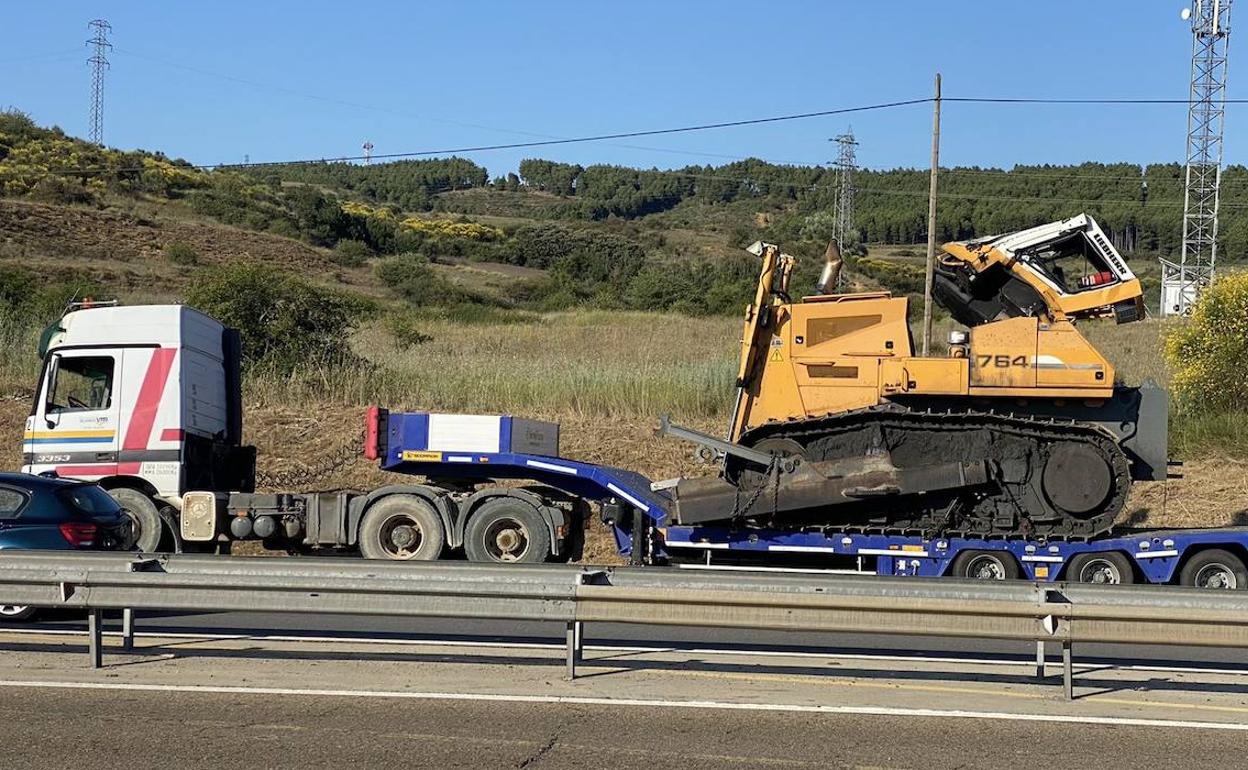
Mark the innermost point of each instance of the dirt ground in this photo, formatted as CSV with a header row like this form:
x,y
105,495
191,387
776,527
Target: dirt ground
x,y
1210,492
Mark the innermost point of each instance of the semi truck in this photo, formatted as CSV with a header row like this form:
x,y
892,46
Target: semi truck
x,y
820,470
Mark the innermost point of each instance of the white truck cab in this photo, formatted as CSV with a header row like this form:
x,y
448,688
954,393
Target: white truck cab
x,y
145,400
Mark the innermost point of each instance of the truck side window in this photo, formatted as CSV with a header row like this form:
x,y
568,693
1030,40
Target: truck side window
x,y
82,383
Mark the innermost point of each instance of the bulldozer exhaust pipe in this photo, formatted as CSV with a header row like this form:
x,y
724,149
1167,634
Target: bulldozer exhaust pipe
x,y
831,268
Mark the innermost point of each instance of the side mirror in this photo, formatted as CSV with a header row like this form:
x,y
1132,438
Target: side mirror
x,y
54,366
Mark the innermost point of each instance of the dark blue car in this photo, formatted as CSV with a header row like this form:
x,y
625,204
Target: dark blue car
x,y
58,515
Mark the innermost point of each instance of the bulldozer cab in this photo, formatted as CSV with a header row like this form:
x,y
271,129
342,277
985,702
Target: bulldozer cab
x,y
1061,270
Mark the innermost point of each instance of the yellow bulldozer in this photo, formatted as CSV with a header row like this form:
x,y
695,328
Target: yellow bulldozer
x,y
1020,429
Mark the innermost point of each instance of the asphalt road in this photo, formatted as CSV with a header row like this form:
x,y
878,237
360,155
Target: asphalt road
x,y
261,623
49,728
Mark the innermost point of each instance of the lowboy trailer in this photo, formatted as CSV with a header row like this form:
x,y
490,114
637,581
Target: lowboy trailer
x,y
459,504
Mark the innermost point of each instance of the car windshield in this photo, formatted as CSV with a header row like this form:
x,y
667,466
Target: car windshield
x,y
88,498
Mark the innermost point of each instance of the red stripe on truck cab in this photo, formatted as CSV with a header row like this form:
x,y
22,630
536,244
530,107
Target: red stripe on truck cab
x,y
171,434
143,418
97,469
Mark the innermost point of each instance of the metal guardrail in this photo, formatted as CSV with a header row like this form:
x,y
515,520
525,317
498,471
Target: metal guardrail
x,y
1056,612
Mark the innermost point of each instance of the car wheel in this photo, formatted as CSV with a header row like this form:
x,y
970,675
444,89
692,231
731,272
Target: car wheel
x,y
15,613
144,517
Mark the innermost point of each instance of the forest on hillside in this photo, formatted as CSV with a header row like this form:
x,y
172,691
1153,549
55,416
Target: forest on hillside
x,y
1139,206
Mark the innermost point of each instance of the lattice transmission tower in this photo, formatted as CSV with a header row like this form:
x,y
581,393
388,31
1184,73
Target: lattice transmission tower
x,y
1182,283
843,227
99,64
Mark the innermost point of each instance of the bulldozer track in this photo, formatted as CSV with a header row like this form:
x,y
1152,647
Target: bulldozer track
x,y
970,513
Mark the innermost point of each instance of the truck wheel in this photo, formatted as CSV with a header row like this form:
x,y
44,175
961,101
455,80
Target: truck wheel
x,y
1110,568
507,530
15,613
985,565
144,517
1215,569
401,528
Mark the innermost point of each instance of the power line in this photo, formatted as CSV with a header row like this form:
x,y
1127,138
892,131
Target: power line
x,y
522,145
621,135
391,111
1127,101
605,137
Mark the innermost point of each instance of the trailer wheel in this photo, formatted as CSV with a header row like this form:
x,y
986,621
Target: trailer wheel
x,y
507,530
15,613
1110,568
401,528
985,565
1215,569
149,532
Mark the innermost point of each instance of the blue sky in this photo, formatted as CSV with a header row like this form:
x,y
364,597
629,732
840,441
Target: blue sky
x,y
324,76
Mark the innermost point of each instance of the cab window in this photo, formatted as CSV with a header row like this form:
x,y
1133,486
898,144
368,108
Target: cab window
x,y
1073,263
81,383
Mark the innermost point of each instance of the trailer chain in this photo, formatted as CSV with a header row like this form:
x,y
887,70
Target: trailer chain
x,y
329,463
773,481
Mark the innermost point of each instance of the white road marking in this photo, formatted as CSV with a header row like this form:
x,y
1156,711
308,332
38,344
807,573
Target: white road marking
x,y
633,702
1028,661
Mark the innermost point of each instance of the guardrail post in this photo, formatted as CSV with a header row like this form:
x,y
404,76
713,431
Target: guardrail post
x,y
95,639
1039,659
127,630
1068,671
574,648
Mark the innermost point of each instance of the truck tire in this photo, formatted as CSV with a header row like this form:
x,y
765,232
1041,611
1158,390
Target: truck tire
x,y
1109,568
506,530
985,565
1215,569
401,528
144,517
15,613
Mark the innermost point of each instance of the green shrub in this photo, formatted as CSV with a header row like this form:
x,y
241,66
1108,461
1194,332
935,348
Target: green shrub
x,y
1208,353
411,277
181,253
351,253
40,298
286,323
403,328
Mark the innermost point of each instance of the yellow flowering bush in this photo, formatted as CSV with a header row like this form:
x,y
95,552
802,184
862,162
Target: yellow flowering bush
x,y
1208,353
364,210
444,227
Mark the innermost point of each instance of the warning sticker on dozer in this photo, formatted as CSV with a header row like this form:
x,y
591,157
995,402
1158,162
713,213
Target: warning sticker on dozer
x,y
776,355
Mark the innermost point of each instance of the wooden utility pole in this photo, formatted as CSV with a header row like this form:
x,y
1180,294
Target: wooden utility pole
x,y
931,223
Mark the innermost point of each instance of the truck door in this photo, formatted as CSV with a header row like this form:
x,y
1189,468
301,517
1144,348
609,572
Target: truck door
x,y
74,426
